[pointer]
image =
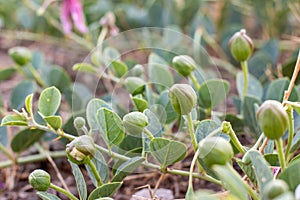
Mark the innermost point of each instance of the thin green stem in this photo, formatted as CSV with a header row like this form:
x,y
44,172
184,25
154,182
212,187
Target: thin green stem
x,y
148,133
6,152
195,158
63,191
227,128
194,80
95,172
280,153
191,130
125,158
291,131
32,158
259,140
36,75
245,73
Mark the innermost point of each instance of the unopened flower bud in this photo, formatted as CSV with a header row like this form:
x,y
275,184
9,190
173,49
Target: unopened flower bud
x,y
241,46
135,85
137,70
184,64
20,55
81,149
135,122
183,98
275,188
39,180
273,119
79,122
215,150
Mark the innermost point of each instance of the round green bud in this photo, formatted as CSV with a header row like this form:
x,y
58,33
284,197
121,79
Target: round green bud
x,y
183,98
273,119
241,46
135,122
79,122
20,55
137,70
39,180
184,64
215,151
81,149
275,188
135,85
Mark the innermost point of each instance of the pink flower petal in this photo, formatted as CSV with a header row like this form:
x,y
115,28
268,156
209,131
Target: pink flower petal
x,y
77,15
65,16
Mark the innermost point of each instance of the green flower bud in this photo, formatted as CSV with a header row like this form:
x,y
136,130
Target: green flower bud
x,y
39,180
275,188
241,46
79,122
135,85
81,149
183,98
137,70
273,119
184,64
135,122
215,150
20,55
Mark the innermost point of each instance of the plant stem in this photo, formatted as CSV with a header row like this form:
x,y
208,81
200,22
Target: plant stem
x,y
125,158
245,73
63,191
194,80
36,75
291,131
280,153
227,128
148,133
6,152
32,158
191,130
95,172
195,158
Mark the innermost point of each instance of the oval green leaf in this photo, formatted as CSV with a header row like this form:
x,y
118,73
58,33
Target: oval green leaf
x,y
105,190
20,93
84,67
54,121
25,138
7,73
58,78
254,88
119,68
92,107
276,90
47,196
290,174
13,120
167,152
80,182
110,124
49,101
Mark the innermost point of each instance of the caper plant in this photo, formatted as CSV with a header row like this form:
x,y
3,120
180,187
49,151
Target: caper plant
x,y
140,137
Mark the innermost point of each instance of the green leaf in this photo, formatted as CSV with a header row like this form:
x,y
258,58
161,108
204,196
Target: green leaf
x,y
140,104
92,107
290,174
261,168
205,127
13,120
159,72
3,135
110,124
126,168
28,104
168,108
272,159
101,166
167,152
105,190
54,121
276,90
58,78
231,181
212,93
6,73
110,54
49,101
80,182
254,87
295,142
25,138
249,113
84,67
20,93
248,170
119,68
47,196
